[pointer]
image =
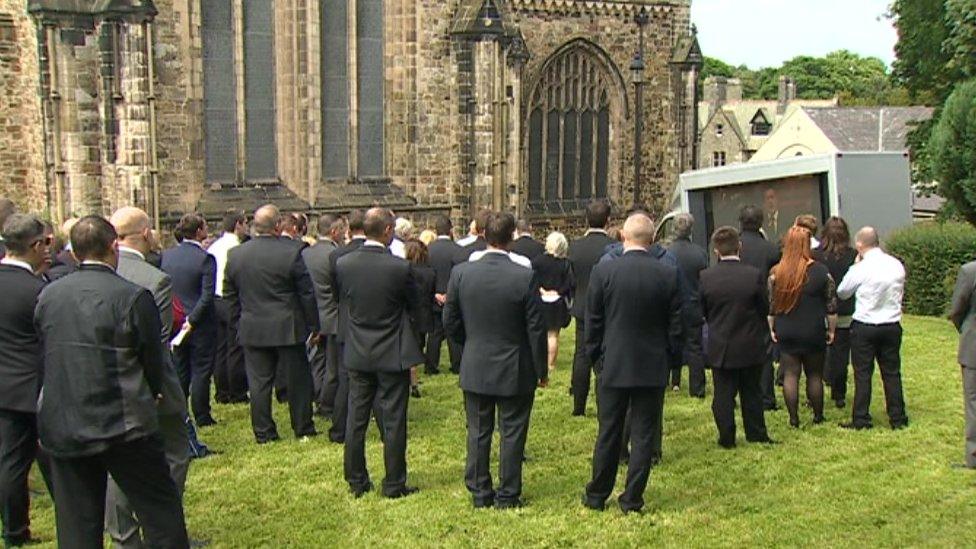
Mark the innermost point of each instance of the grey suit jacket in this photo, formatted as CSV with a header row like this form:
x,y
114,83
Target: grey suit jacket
x,y
136,270
963,313
320,269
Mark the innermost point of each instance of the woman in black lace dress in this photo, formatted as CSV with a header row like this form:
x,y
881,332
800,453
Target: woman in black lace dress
x,y
554,275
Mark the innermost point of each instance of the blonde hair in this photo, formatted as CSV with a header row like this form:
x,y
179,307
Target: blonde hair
x,y
403,228
427,236
556,244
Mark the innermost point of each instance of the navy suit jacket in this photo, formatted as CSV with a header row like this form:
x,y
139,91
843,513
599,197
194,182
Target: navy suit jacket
x,y
193,272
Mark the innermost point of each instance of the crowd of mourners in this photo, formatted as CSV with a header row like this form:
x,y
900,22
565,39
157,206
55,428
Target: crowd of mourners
x,y
110,345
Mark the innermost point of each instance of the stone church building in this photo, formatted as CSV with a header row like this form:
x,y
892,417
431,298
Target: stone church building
x,y
427,106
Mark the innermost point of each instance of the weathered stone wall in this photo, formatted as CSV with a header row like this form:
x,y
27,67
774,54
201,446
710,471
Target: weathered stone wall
x,y
21,136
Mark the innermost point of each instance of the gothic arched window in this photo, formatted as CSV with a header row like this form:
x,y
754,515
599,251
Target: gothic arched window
x,y
569,130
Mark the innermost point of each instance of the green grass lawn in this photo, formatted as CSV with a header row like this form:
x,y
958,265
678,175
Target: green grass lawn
x,y
823,486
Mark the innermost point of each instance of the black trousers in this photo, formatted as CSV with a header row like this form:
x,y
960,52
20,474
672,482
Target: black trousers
x,y
838,359
194,364
262,365
230,378
433,351
340,408
767,378
881,343
645,405
694,357
744,383
325,374
513,427
18,450
392,391
139,468
582,366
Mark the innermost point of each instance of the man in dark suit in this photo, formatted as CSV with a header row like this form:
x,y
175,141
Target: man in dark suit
x,y
193,272
963,316
340,410
230,378
378,294
442,252
272,302
104,371
763,255
7,208
493,310
735,303
325,374
633,323
692,260
20,371
479,243
584,253
135,241
524,244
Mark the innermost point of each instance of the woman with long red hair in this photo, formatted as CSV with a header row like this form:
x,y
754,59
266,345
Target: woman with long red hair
x,y
802,320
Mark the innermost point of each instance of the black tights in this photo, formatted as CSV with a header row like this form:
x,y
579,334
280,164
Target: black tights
x,y
812,364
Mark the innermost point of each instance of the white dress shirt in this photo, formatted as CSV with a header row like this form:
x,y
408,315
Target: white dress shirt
x,y
132,251
219,250
398,249
17,263
516,258
467,240
877,283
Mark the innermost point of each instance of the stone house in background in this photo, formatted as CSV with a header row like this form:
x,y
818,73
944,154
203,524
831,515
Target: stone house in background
x,y
426,106
733,128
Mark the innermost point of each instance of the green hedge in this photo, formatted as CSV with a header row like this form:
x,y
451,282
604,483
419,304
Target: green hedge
x,y
932,254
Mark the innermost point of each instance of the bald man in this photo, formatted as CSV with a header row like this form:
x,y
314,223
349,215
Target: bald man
x,y
633,324
272,303
135,241
877,283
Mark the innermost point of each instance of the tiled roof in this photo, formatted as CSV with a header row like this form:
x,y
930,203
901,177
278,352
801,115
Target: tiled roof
x,y
868,128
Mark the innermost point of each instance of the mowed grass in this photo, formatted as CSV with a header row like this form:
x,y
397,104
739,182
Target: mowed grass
x,y
823,486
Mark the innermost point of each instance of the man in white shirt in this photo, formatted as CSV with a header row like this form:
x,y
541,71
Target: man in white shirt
x,y
230,378
472,234
877,282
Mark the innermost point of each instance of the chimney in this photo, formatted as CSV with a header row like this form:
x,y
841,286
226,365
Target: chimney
x,y
787,93
716,90
733,90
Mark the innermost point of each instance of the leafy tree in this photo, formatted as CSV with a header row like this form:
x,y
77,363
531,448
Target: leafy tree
x,y
716,67
922,62
961,43
953,149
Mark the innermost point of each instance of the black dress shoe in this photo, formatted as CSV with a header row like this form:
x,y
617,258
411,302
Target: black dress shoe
x,y
795,423
770,407
433,372
854,426
359,491
700,396
840,403
307,434
578,413
336,439
483,503
206,421
265,440
415,392
818,420
401,492
239,399
593,505
727,445
509,504
322,412
899,426
766,440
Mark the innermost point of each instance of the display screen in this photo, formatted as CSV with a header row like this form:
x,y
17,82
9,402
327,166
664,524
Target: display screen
x,y
781,200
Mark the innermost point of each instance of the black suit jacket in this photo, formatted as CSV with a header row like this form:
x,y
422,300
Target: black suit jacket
x,y
320,270
104,362
21,361
633,320
270,293
464,252
64,264
692,260
759,252
527,246
735,302
584,253
379,293
193,272
342,326
423,316
442,252
494,313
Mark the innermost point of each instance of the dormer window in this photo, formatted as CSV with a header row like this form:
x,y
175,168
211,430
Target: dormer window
x,y
760,124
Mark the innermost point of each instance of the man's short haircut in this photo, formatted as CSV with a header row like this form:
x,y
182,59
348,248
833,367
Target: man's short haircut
x,y
356,220
20,231
808,222
868,236
296,221
377,221
325,223
266,219
481,221
231,219
523,226
683,223
443,225
187,227
725,240
92,237
639,228
751,218
499,229
7,208
597,214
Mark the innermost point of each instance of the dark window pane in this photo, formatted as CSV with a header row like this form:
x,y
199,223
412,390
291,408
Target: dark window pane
x,y
602,152
369,58
535,156
586,155
570,125
259,93
335,88
552,156
219,91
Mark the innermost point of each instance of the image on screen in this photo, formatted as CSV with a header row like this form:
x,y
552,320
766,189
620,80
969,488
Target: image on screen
x,y
781,200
